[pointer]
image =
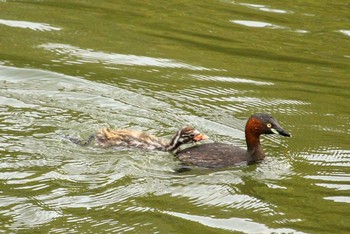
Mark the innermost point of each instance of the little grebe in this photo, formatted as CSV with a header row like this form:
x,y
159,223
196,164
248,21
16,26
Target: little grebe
x,y
128,138
214,155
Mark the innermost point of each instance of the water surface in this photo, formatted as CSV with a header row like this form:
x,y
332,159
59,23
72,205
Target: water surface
x,y
69,68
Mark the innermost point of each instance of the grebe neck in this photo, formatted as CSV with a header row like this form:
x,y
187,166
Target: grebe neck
x,y
254,148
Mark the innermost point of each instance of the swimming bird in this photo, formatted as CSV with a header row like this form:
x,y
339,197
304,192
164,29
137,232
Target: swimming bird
x,y
216,155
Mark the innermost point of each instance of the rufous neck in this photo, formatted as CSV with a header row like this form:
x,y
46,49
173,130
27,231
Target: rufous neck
x,y
253,145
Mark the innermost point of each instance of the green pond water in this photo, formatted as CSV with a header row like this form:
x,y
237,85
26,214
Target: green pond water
x,y
72,67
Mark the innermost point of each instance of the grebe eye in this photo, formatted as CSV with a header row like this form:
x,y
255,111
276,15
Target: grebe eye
x,y
269,125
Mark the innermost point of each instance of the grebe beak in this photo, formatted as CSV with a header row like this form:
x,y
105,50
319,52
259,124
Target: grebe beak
x,y
280,131
200,137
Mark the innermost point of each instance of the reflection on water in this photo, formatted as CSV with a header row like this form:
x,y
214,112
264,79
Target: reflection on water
x,y
346,32
207,64
264,8
232,224
333,178
29,25
331,157
230,79
255,24
75,55
259,24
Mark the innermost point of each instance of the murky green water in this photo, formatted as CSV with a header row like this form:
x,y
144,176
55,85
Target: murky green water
x,y
70,67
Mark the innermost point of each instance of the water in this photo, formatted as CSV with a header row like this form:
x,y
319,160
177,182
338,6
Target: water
x,y
69,68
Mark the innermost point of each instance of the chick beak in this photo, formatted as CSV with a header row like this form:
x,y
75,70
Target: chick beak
x,y
200,137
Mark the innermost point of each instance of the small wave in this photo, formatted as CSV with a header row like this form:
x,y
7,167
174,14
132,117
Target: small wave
x,y
76,55
265,8
230,79
231,224
29,25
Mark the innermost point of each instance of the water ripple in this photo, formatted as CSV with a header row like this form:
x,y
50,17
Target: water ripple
x,y
343,199
260,24
231,224
37,87
255,24
345,32
29,25
265,8
76,55
29,215
107,197
230,79
332,157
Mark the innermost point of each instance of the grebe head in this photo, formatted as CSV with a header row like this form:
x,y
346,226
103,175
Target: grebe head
x,y
262,123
